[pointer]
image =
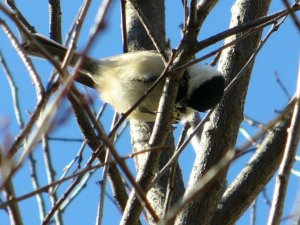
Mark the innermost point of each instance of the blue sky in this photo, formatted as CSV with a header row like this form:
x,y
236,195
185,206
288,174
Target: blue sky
x,y
280,54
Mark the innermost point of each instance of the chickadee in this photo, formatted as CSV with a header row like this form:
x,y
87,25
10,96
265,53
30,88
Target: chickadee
x,y
121,81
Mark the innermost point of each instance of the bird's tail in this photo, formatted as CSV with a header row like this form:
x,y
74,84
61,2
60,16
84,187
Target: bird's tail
x,y
52,47
56,50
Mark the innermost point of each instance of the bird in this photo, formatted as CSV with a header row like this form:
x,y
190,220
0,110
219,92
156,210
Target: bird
x,y
123,79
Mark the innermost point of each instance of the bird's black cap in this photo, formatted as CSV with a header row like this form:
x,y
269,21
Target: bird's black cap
x,y
207,95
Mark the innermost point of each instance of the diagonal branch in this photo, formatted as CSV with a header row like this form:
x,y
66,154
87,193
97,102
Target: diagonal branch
x,y
219,134
247,25
285,168
242,192
163,120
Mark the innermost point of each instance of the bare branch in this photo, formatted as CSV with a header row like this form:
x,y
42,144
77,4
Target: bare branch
x,y
14,90
55,20
283,88
19,15
287,162
36,185
150,32
292,13
27,62
13,209
51,178
253,213
238,28
242,192
200,187
124,27
220,132
158,189
204,8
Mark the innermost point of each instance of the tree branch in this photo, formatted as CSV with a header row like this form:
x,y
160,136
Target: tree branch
x,y
253,178
285,168
219,134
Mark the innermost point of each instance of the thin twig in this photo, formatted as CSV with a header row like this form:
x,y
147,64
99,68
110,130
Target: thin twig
x,y
83,145
282,86
124,27
204,7
65,139
80,182
50,109
150,31
266,20
186,13
36,185
75,190
201,185
75,35
14,91
106,140
44,123
46,188
27,129
103,182
19,16
287,162
246,135
55,20
253,213
51,178
43,101
214,52
13,209
192,21
102,185
255,123
171,178
266,197
26,60
292,13
268,126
